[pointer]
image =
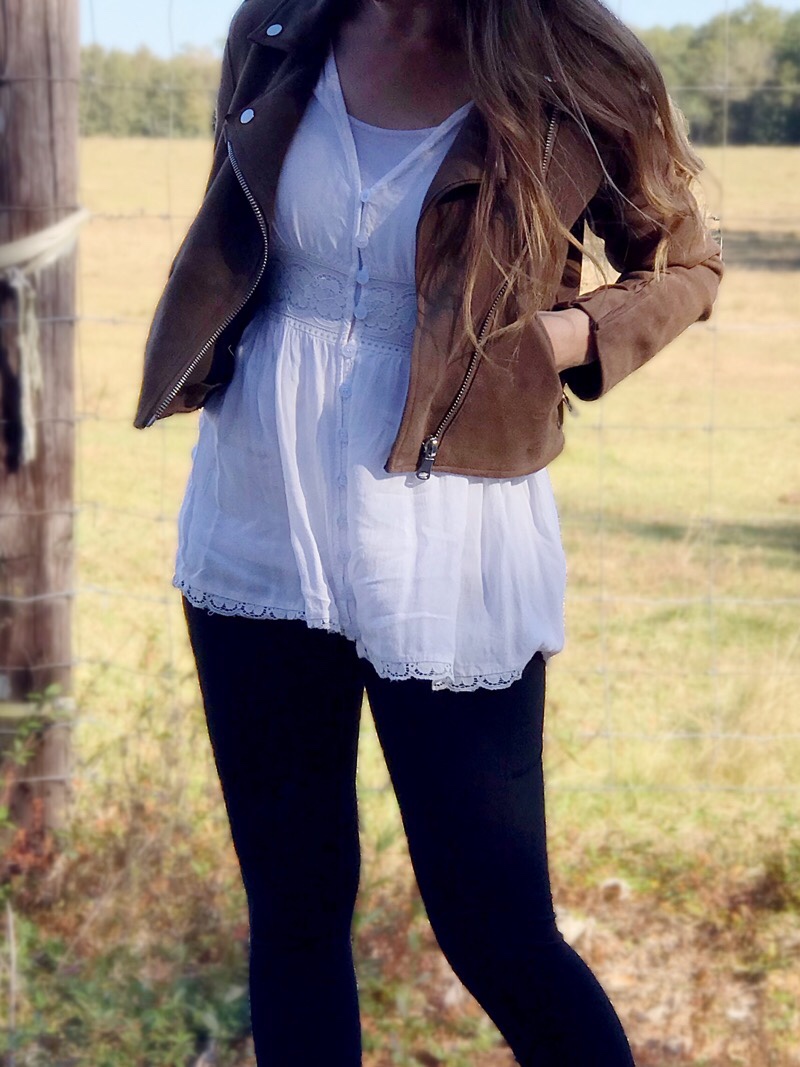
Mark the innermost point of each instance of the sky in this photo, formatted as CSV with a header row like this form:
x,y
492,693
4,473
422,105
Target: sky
x,y
167,25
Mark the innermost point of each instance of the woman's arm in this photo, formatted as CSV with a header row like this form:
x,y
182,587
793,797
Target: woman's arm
x,y
570,334
630,320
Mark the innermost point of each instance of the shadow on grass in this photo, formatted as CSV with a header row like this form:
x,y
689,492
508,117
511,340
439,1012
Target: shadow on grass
x,y
761,250
783,537
780,538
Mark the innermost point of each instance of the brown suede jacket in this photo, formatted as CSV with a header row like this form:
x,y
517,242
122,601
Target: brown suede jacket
x,y
497,417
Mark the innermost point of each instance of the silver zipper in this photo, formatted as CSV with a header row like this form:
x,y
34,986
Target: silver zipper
x,y
565,402
221,329
550,140
430,444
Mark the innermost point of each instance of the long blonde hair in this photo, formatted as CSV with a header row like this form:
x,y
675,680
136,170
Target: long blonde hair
x,y
526,56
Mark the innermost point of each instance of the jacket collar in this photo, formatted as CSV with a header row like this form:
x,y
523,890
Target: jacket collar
x,y
290,24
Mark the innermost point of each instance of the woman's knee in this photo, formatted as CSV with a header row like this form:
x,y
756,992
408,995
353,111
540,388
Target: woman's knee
x,y
307,901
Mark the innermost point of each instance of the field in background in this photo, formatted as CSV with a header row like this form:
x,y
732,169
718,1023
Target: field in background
x,y
680,503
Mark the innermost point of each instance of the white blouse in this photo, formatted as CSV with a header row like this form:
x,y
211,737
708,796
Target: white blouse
x,y
288,513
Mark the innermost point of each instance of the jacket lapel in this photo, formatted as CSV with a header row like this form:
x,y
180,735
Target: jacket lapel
x,y
292,44
260,130
465,160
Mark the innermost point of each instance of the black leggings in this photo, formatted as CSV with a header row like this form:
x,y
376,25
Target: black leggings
x,y
283,707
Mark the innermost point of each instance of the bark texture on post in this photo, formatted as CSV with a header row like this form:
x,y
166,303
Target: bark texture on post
x,y
39,70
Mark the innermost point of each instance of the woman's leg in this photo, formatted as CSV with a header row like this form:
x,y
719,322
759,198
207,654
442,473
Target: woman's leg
x,y
283,705
467,771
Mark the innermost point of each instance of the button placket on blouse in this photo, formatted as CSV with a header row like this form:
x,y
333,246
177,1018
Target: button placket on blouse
x,y
349,351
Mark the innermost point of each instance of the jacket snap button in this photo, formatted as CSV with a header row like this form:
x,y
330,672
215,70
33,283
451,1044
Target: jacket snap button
x,y
274,29
247,115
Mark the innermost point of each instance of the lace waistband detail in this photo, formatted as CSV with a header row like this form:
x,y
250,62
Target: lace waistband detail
x,y
327,299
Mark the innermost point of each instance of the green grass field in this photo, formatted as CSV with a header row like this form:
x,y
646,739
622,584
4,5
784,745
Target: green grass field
x,y
680,503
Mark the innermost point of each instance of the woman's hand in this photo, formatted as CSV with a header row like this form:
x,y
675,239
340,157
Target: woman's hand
x,y
569,332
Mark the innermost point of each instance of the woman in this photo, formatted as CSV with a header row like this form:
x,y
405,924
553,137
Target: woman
x,y
378,309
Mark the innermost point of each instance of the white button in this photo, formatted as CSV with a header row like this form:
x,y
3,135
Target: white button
x,y
247,115
362,241
360,310
350,348
345,390
342,480
274,29
365,195
363,275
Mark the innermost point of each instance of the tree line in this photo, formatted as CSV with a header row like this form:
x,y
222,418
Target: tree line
x,y
139,94
736,79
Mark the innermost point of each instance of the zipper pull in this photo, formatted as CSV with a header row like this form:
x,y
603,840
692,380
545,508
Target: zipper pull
x,y
430,447
569,404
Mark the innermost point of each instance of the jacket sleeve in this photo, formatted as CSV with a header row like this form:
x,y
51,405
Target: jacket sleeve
x,y
637,315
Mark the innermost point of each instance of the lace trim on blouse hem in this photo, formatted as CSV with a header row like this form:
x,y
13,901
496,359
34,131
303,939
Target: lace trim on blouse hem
x,y
440,675
222,605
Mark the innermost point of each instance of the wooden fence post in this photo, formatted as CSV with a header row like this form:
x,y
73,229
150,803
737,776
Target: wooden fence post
x,y
39,71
